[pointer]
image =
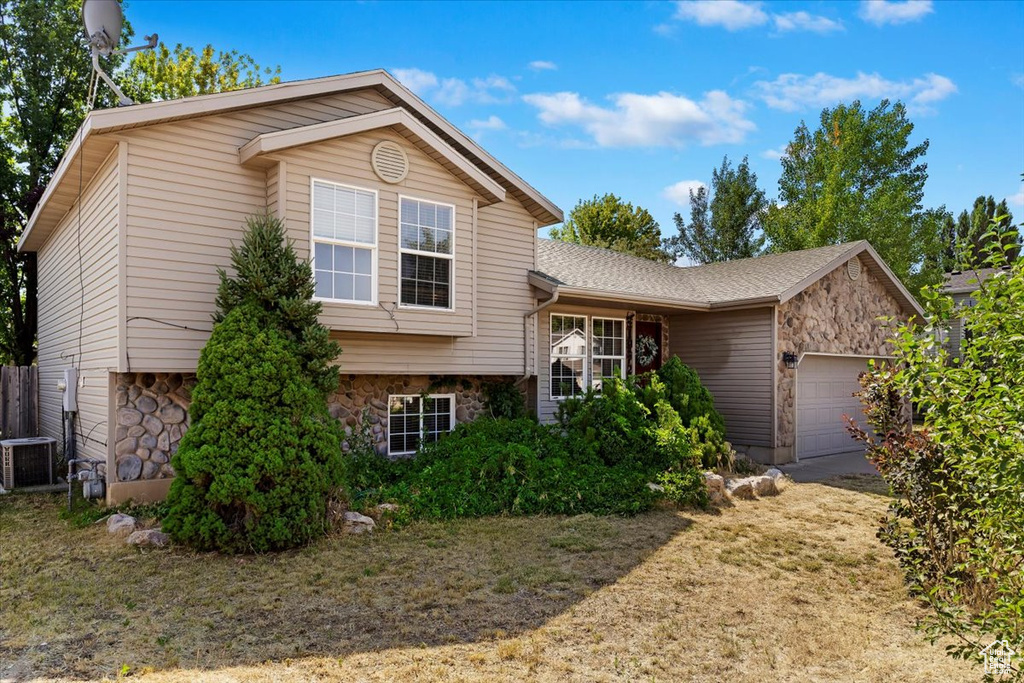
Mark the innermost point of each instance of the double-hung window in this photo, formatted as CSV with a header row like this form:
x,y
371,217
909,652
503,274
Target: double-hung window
x,y
608,350
417,419
344,242
427,247
568,355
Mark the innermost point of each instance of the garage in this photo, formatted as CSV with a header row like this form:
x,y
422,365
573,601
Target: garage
x,y
825,388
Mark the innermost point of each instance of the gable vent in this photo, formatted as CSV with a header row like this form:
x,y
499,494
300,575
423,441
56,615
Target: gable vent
x,y
853,268
389,162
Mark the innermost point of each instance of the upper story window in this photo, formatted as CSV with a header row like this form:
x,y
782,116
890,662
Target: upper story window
x,y
427,247
344,226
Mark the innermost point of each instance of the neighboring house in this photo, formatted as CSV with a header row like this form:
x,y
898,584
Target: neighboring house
x,y
425,256
961,285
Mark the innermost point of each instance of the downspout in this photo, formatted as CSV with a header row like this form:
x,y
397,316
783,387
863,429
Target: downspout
x,y
526,333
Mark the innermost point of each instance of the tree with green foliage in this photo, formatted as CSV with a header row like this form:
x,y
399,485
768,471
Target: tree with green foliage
x,y
162,74
858,176
971,228
727,226
956,522
262,456
45,70
611,223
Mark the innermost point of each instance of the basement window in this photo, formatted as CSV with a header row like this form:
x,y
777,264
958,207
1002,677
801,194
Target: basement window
x,y
415,419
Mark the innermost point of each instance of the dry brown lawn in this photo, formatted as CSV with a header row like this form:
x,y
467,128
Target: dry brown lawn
x,y
794,588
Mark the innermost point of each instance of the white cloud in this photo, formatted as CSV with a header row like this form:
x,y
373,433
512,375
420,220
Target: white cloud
x,y
679,193
417,80
802,21
731,15
543,65
882,12
1017,199
660,120
793,92
1017,80
492,122
773,154
456,91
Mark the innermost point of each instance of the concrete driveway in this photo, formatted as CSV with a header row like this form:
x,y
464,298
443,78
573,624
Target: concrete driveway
x,y
816,469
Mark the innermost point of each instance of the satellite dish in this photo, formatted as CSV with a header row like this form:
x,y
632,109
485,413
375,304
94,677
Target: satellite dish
x,y
103,20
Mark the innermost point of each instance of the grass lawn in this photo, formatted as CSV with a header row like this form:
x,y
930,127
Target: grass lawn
x,y
794,588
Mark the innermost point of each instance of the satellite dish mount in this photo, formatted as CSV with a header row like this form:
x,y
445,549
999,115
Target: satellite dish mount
x,y
103,19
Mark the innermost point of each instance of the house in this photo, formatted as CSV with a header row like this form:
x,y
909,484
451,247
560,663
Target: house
x,y
962,285
424,252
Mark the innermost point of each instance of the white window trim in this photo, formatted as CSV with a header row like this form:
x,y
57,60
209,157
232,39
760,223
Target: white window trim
x,y
434,254
596,357
374,248
552,356
451,416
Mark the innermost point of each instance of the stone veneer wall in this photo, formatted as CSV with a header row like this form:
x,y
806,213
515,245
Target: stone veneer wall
x,y
834,315
359,394
152,416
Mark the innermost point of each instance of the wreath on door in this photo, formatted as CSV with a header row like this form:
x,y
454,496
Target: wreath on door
x,y
646,350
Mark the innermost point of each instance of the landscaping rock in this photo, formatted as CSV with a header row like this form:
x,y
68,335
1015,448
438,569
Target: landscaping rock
x,y
149,538
355,523
387,507
716,488
657,488
764,486
121,525
777,475
742,489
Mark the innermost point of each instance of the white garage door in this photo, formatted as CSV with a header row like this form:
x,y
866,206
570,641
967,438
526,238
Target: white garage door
x,y
824,393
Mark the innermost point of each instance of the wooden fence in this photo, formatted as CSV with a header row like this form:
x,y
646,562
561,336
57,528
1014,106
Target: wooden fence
x,y
19,402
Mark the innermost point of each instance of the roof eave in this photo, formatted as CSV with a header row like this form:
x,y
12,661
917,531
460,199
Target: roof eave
x,y
619,297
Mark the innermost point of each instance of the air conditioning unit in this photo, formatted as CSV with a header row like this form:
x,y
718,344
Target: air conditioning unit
x,y
29,462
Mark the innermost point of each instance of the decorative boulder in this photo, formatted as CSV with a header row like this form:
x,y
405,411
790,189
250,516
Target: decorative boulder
x,y
764,486
716,488
742,489
778,477
121,525
149,538
355,523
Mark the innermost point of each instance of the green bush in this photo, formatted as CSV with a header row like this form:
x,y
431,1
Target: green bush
x,y
688,396
956,523
262,457
501,466
503,399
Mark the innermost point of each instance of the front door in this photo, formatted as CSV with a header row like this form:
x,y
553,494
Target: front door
x,y
647,347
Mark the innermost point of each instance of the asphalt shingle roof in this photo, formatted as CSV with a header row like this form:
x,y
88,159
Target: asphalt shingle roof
x,y
593,268
967,280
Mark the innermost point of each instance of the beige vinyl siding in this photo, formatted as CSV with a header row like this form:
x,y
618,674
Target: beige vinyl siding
x,y
546,406
346,161
188,198
81,286
732,353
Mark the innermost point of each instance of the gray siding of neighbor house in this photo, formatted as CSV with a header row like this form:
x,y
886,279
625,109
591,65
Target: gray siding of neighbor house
x,y
956,325
732,353
78,305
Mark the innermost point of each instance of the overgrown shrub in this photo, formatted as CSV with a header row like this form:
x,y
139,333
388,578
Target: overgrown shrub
x,y
503,399
696,408
956,523
262,455
500,466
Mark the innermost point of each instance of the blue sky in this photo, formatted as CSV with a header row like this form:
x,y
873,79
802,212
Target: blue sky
x,y
643,99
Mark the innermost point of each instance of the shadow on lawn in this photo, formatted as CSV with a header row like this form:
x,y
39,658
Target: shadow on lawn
x,y
861,483
98,605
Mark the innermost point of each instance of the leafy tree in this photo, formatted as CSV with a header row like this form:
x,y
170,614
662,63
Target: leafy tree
x,y
855,177
956,522
161,74
262,456
45,70
972,227
609,222
726,227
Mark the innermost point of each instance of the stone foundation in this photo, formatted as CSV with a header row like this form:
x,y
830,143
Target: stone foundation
x,y
834,315
367,395
152,416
